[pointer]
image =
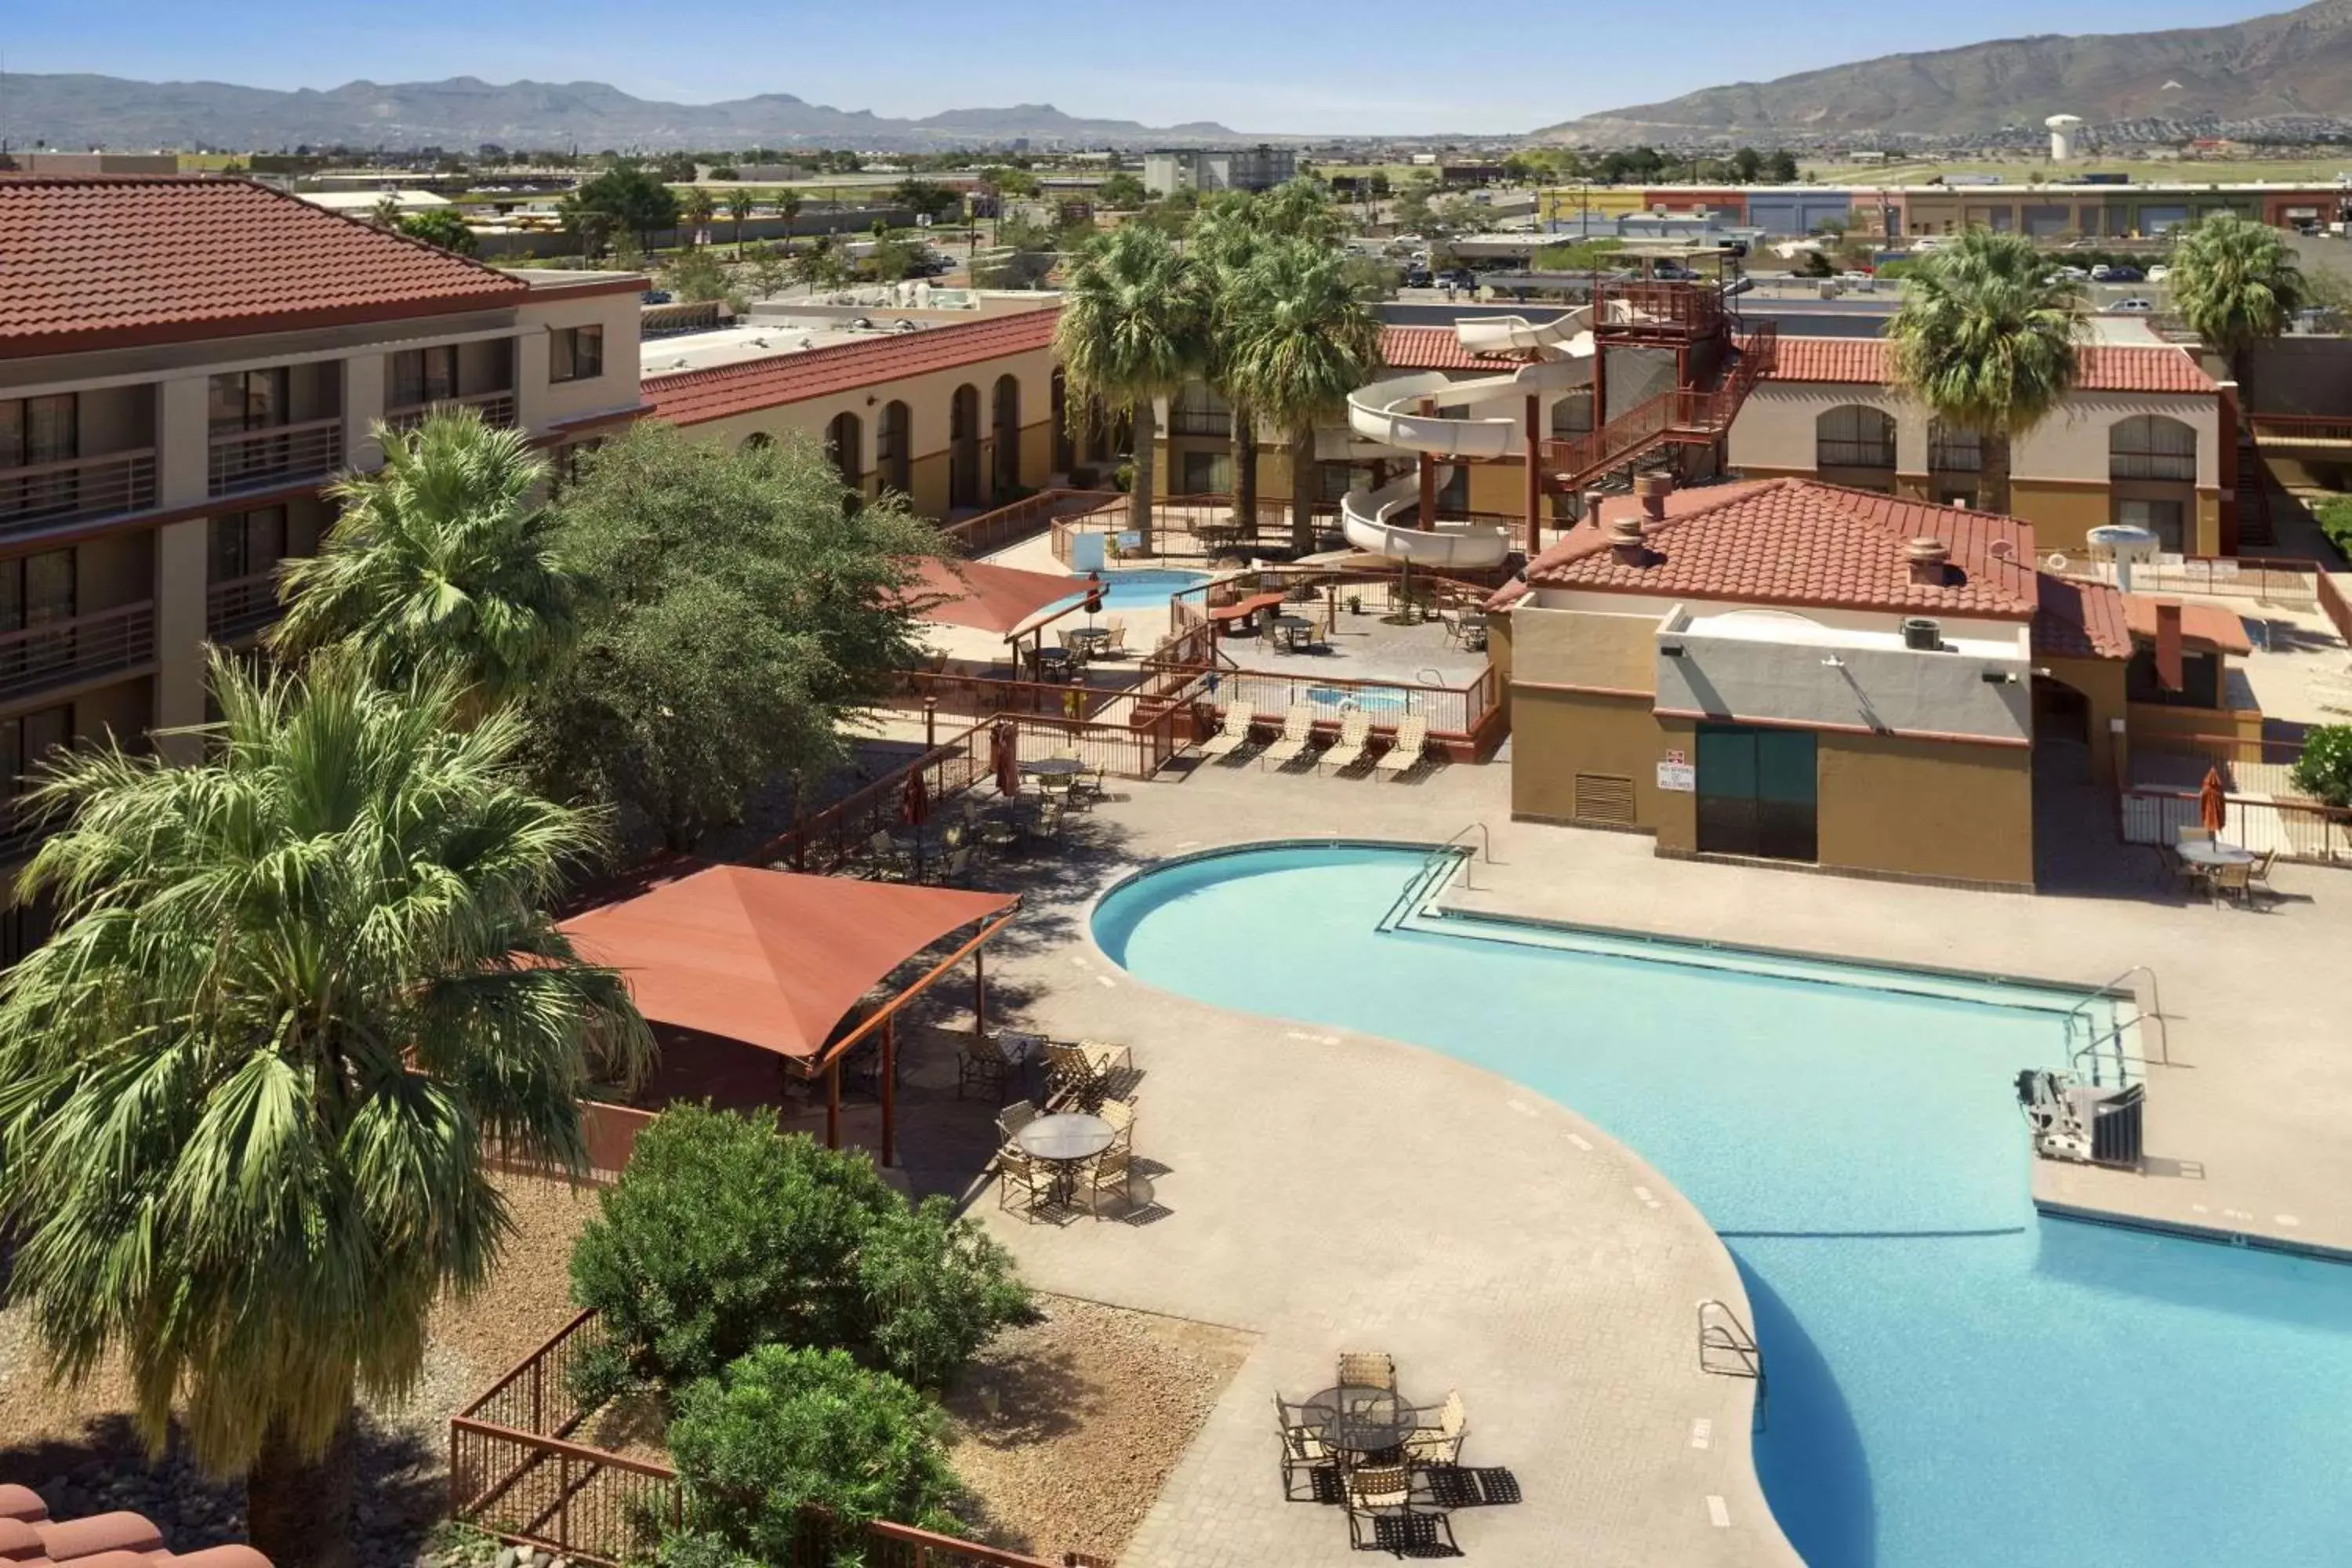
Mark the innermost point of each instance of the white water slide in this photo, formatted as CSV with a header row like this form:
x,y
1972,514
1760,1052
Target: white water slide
x,y
1389,414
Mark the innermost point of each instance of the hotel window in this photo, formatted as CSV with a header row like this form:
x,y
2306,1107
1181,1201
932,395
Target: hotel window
x,y
424,375
1197,411
251,400
2150,447
35,591
2165,518
35,431
1952,450
576,354
1853,436
247,543
26,739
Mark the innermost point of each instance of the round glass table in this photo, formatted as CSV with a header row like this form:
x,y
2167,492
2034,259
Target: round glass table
x,y
1359,1420
1064,1140
2208,853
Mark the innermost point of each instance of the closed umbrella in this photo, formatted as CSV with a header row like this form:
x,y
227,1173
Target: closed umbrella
x,y
914,805
1007,759
2213,806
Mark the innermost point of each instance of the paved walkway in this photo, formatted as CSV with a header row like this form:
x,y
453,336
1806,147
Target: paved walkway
x,y
1332,1191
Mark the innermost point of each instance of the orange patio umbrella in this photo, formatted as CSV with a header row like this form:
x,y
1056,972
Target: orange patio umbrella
x,y
2213,804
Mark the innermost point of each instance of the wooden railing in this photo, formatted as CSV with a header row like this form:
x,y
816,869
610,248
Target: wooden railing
x,y
59,652
40,494
253,459
2329,589
1693,309
992,530
972,698
516,1473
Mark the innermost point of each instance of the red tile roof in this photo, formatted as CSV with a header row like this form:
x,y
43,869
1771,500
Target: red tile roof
x,y
29,1538
104,263
1804,543
2201,625
2080,620
694,396
2104,367
1429,348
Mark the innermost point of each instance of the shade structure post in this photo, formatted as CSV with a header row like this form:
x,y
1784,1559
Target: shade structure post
x,y
832,1104
980,994
889,1096
931,720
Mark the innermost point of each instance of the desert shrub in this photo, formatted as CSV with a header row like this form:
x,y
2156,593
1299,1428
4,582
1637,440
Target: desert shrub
x,y
725,1233
782,1430
2334,515
2323,771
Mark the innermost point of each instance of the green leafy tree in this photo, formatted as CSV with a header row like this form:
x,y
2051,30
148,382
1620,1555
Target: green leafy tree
x,y
699,274
2324,771
1747,165
927,197
725,1233
1134,326
674,168
818,264
1226,236
698,207
739,209
894,256
386,212
769,268
1122,192
2236,283
298,990
1987,339
784,1431
442,227
744,609
1781,168
628,200
1305,336
439,564
593,226
1010,181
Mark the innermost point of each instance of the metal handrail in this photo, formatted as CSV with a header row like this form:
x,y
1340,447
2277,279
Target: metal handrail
x,y
1731,1337
2153,1012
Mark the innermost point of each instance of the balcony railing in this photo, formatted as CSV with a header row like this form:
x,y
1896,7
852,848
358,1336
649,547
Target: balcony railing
x,y
62,653
2177,466
77,488
1828,454
1955,458
256,459
496,409
240,606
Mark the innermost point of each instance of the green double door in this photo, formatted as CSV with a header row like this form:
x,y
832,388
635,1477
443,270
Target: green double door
x,y
1759,793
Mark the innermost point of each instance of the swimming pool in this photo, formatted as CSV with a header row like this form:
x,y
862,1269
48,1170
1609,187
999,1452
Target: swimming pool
x,y
1143,587
1955,1381
1371,698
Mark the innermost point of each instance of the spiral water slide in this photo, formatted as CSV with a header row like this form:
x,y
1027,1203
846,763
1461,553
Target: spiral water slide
x,y
1389,414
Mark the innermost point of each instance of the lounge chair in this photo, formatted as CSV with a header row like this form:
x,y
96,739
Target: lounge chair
x,y
1381,1496
1297,734
1104,1056
1440,1445
1072,1077
1240,716
1411,744
1355,738
1303,1448
1367,1369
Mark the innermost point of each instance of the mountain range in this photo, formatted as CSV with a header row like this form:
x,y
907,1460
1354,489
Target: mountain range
x,y
2296,64
73,111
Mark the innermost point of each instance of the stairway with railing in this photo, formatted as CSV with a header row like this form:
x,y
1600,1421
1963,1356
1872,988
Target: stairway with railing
x,y
2254,526
2097,1027
1686,417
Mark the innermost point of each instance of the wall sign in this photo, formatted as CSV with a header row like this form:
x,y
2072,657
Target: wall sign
x,y
1678,777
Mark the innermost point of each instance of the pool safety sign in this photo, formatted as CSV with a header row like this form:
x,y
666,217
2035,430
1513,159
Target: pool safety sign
x,y
1677,774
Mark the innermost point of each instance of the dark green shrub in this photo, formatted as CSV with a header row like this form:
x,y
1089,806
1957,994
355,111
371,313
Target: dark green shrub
x,y
783,1431
724,1235
2323,771
2334,515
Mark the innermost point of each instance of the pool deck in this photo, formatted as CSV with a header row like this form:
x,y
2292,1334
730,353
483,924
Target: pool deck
x,y
1332,1191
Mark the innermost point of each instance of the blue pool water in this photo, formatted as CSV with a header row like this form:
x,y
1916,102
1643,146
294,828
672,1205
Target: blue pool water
x,y
1371,698
1142,588
1955,1381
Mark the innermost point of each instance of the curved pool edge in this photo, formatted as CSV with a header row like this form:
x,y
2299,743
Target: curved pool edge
x,y
1730,1288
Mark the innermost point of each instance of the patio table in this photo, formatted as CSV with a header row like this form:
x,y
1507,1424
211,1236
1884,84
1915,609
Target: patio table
x,y
1297,631
2208,854
1064,1140
1357,1418
1053,767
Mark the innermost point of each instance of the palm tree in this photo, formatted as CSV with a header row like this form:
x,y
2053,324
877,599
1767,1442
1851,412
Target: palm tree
x,y
1134,325
438,563
697,208
1225,235
2236,282
1305,336
385,214
739,208
297,991
1987,339
788,203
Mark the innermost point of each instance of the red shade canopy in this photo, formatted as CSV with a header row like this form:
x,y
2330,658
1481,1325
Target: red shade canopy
x,y
993,599
774,959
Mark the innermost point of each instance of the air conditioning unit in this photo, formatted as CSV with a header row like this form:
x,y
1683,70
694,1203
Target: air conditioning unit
x,y
1922,634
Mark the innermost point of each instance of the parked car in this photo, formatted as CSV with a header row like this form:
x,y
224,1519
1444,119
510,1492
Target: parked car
x,y
2134,306
1667,271
1457,278
2125,275
655,297
1417,278
2159,274
2071,272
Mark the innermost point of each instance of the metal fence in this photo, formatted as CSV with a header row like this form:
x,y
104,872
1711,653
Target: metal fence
x,y
2318,834
828,838
992,530
2247,766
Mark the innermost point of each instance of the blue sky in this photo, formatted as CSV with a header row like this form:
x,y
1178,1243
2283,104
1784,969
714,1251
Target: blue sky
x,y
1335,66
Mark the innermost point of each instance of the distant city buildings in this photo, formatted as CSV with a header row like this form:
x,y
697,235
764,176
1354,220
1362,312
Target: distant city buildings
x,y
1172,168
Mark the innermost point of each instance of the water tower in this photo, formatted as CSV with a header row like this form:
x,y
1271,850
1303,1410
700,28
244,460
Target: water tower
x,y
2062,136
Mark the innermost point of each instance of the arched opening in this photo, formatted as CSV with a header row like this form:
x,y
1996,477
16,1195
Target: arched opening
x,y
845,443
1066,450
894,443
1857,438
1004,418
963,447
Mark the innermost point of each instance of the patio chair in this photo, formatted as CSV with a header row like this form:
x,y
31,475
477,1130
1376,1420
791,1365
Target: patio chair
x,y
1366,1368
1298,735
1113,643
1440,1445
1113,1168
1382,1495
888,861
1355,739
1049,817
949,868
1015,1117
1087,787
2234,881
1241,714
1017,1173
1303,1448
1120,1114
981,1061
1106,1058
2258,876
2192,836
1070,1078
1412,743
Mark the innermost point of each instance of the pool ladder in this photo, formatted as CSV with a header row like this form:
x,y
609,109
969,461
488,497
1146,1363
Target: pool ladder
x,y
1727,1349
2103,1048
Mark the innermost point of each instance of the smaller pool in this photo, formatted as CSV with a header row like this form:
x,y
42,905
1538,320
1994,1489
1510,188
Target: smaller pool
x,y
1142,588
1371,698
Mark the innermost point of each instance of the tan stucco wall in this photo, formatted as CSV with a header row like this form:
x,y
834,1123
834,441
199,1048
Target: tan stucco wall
x,y
1926,808
2101,682
1576,647
540,402
1555,735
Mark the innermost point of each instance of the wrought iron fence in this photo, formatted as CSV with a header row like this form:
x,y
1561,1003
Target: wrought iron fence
x,y
2318,834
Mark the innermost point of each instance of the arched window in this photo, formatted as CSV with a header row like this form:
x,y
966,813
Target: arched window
x,y
1066,449
2150,447
845,443
1855,435
963,447
894,447
1005,417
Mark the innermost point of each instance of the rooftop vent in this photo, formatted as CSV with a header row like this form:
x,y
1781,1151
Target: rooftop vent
x,y
1626,541
1652,489
1928,558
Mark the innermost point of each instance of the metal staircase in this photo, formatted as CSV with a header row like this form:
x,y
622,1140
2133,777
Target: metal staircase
x,y
1688,417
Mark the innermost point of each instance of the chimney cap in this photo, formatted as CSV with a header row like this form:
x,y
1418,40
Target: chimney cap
x,y
1627,529
1926,550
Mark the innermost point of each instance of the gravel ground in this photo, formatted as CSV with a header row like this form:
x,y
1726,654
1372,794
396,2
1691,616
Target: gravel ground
x,y
1065,1429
